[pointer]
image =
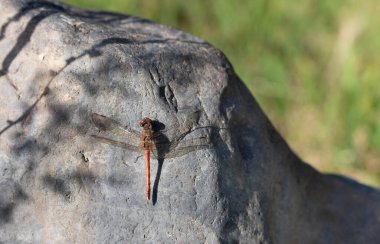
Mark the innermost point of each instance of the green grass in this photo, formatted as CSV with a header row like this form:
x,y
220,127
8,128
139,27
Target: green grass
x,y
312,65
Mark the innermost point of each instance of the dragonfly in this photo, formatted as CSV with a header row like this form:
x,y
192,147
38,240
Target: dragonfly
x,y
160,144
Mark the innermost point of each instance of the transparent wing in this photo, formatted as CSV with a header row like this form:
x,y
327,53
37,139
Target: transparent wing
x,y
177,149
178,129
180,151
106,124
116,143
169,143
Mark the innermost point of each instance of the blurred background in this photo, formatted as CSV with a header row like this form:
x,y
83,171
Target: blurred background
x,y
313,65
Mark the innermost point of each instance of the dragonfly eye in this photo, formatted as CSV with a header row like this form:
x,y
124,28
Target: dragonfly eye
x,y
146,122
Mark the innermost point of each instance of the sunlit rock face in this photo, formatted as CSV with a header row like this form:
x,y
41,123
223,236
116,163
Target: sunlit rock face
x,y
234,179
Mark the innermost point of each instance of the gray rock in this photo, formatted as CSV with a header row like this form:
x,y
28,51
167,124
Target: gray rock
x,y
60,185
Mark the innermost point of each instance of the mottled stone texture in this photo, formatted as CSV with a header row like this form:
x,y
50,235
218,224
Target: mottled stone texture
x,y
58,185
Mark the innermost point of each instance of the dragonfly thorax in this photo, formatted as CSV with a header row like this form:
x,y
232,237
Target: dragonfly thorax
x,y
146,135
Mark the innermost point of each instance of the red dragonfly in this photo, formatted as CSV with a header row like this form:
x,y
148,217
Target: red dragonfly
x,y
162,145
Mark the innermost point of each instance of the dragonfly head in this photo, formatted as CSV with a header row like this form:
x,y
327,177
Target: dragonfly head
x,y
146,123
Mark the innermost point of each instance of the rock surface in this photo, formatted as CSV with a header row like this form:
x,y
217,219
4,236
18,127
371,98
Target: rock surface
x,y
59,185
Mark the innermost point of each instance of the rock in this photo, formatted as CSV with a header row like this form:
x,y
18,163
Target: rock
x,y
60,185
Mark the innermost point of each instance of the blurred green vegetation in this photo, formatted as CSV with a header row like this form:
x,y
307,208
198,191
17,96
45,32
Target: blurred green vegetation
x,y
313,66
